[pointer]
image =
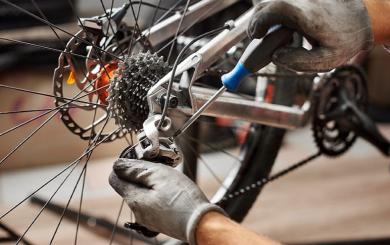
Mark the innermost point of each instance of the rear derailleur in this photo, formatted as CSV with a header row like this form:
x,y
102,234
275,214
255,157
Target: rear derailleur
x,y
153,146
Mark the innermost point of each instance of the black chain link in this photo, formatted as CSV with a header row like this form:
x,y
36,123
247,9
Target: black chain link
x,y
260,183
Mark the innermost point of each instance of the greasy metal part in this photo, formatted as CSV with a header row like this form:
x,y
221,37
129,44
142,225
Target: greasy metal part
x,y
128,88
154,147
92,68
107,23
227,105
195,13
199,112
65,65
197,63
61,73
339,113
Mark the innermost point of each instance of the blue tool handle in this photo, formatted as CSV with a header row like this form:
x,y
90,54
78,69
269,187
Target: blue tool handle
x,y
257,55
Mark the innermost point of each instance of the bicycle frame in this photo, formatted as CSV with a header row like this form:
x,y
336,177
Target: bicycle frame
x,y
229,105
192,97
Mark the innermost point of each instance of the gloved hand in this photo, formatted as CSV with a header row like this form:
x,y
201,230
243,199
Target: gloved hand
x,y
162,198
337,29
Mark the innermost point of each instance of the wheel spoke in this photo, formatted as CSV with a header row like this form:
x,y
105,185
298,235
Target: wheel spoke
x,y
40,110
56,27
44,17
60,40
178,30
200,157
137,28
154,16
171,9
95,46
55,192
69,200
44,47
80,205
75,99
59,173
184,31
21,143
214,148
109,22
37,129
45,205
116,222
135,16
85,171
75,164
42,115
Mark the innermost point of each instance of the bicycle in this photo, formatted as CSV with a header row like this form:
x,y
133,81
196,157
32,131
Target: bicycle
x,y
118,73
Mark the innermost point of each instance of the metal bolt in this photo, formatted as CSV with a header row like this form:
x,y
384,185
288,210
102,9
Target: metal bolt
x,y
173,101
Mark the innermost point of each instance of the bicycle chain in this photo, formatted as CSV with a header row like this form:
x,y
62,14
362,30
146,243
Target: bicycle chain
x,y
340,77
261,183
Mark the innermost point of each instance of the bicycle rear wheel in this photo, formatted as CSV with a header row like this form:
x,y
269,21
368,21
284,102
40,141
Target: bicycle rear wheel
x,y
84,66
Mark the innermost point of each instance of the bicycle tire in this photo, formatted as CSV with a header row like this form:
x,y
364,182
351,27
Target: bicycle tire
x,y
262,147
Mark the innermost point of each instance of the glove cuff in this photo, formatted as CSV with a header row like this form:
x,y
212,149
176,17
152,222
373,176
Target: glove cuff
x,y
196,217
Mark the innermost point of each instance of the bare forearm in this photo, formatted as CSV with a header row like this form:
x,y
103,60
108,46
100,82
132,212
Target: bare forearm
x,y
215,228
379,12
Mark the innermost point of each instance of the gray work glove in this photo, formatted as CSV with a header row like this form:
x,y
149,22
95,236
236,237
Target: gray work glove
x,y
337,29
162,198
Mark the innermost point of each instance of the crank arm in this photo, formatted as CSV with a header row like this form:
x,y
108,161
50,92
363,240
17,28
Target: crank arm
x,y
363,126
369,131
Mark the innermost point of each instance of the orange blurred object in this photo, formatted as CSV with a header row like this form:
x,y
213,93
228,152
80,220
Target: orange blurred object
x,y
72,78
103,80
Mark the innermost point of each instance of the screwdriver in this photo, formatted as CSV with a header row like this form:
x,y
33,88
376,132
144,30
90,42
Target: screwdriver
x,y
257,55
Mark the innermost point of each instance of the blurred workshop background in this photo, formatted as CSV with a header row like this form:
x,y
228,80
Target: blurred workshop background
x,y
343,198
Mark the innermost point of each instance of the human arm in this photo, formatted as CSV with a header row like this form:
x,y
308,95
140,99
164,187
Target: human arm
x,y
337,29
166,201
215,228
379,12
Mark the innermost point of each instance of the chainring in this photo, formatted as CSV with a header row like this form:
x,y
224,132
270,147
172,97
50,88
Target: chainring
x,y
331,133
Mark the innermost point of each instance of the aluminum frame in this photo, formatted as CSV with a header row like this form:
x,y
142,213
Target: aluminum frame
x,y
228,105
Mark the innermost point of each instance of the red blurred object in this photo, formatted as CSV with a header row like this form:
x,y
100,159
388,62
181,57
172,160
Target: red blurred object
x,y
103,80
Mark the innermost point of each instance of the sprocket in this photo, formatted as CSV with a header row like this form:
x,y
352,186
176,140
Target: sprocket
x,y
127,99
331,120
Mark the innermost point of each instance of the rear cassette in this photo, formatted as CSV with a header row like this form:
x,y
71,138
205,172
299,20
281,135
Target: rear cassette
x,y
127,99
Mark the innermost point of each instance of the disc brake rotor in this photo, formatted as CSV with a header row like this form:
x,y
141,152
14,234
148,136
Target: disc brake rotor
x,y
89,78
